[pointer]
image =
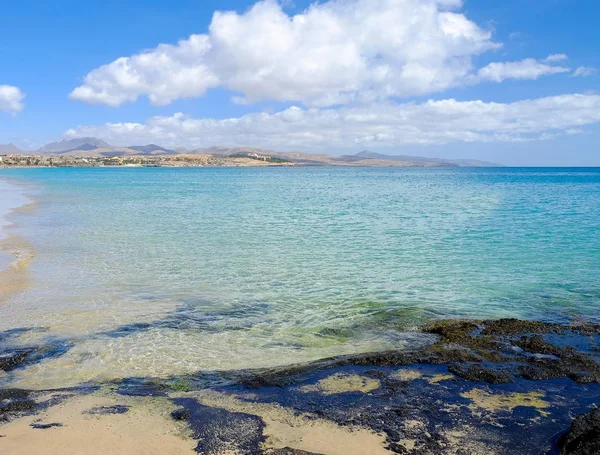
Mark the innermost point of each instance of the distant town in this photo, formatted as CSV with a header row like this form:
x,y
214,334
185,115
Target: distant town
x,y
142,161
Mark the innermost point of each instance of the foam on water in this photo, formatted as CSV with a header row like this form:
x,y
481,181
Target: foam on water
x,y
143,272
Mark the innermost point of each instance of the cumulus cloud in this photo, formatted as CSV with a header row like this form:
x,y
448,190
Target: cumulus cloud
x,y
333,53
11,99
584,71
167,73
524,69
379,125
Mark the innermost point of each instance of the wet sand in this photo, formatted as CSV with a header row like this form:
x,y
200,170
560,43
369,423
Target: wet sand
x,y
17,255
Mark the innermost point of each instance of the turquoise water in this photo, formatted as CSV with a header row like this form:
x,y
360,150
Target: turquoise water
x,y
152,272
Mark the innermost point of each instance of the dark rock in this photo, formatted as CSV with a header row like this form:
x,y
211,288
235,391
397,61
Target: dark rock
x,y
478,373
453,331
13,394
11,360
15,402
217,430
520,327
45,426
15,358
288,451
139,387
103,410
536,344
539,372
583,377
181,414
17,406
583,438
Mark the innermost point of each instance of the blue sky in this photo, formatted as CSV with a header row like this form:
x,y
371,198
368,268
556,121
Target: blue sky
x,y
50,47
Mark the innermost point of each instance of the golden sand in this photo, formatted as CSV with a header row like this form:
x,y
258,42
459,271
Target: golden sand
x,y
407,375
146,429
483,400
341,383
437,378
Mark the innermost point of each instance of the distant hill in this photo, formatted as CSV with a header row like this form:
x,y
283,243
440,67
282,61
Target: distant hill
x,y
69,145
10,149
93,147
151,149
365,154
83,147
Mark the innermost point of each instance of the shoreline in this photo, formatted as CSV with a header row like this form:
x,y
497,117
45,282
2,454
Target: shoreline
x,y
474,391
15,251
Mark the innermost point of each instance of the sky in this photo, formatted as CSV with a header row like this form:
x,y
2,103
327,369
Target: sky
x,y
514,82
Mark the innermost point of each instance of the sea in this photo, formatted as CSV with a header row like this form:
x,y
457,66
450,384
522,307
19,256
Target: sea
x,y
159,272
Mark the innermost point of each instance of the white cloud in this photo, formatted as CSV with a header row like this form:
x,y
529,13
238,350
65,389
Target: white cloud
x,y
11,99
584,71
556,58
378,125
524,69
164,74
333,53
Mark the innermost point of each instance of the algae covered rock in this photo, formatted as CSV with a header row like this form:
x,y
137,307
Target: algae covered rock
x,y
583,438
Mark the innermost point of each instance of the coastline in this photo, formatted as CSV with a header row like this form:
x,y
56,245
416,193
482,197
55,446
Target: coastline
x,y
474,391
15,251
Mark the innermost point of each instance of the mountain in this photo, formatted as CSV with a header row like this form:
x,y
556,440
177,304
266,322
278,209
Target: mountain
x,y
83,147
365,154
82,143
151,149
90,147
10,149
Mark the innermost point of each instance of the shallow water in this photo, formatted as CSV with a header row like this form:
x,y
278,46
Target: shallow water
x,y
154,272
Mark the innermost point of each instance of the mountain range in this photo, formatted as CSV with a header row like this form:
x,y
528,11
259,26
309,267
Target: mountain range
x,y
463,162
94,147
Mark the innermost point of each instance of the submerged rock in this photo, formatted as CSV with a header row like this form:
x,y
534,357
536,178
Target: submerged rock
x,y
103,410
11,360
15,358
14,402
